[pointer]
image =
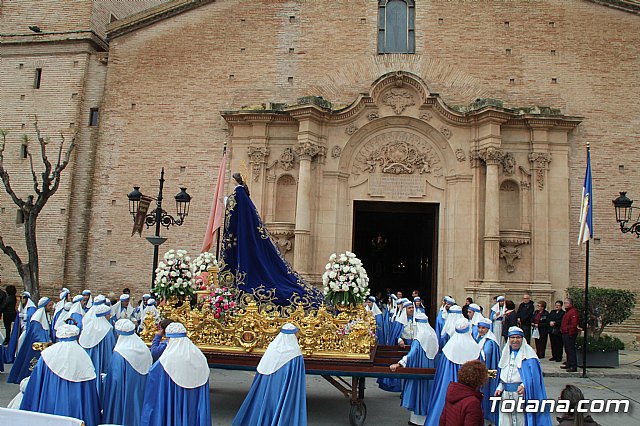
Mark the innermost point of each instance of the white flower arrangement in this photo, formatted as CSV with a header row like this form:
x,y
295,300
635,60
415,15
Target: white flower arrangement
x,y
345,280
174,276
203,262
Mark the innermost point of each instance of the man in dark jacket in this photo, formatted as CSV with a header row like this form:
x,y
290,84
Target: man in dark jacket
x,y
8,311
525,316
569,330
555,335
463,403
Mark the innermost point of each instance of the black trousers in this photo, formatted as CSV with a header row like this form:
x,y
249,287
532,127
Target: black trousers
x,y
541,345
556,346
7,326
526,328
570,349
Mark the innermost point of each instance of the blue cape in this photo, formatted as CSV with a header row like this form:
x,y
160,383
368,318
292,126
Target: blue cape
x,y
100,355
48,393
278,399
166,403
20,368
446,372
491,360
10,352
416,393
253,263
123,393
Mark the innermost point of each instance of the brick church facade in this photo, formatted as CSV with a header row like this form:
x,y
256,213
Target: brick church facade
x,y
443,141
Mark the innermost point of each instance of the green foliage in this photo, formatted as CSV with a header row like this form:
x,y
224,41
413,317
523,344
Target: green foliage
x,y
603,344
606,306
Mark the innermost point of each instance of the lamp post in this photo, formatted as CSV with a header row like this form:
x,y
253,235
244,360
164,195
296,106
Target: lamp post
x,y
159,216
624,210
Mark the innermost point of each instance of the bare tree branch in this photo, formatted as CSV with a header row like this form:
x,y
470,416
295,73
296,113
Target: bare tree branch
x,y
43,149
33,174
9,251
5,176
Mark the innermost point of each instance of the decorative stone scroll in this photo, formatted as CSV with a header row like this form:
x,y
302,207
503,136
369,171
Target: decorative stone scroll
x,y
257,157
287,158
540,163
336,151
460,155
372,116
351,130
491,155
398,99
308,150
397,153
510,254
509,246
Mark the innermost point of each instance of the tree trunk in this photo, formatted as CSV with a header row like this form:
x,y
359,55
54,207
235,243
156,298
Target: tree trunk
x,y
31,278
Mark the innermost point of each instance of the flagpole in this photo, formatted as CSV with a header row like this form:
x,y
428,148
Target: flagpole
x,y
224,151
586,290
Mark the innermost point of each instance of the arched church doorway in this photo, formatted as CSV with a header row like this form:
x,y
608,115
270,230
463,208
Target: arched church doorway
x,y
397,243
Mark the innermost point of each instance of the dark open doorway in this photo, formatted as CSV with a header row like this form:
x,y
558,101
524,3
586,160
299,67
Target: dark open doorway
x,y
397,243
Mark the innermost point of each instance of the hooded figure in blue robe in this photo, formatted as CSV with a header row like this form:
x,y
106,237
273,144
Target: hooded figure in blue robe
x,y
400,333
12,347
416,393
98,340
459,349
278,393
63,381
177,389
441,318
25,312
123,309
520,376
76,313
252,262
59,309
381,325
127,377
496,315
87,300
417,302
473,312
490,355
38,331
90,315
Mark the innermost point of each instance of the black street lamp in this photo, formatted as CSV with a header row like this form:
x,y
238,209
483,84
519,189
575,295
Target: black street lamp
x,y
159,216
624,210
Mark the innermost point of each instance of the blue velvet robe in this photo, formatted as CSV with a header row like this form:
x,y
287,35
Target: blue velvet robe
x,y
123,392
30,311
167,404
49,393
439,325
491,359
416,393
277,399
390,384
78,319
20,368
1,357
531,375
381,329
100,355
10,352
446,372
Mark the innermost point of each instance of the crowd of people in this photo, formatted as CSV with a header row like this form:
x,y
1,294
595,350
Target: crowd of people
x,y
463,336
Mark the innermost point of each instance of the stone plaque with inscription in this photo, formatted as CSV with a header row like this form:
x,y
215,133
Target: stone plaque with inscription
x,y
396,186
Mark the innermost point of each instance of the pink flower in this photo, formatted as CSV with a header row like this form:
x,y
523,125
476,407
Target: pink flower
x,y
233,305
224,289
216,315
226,306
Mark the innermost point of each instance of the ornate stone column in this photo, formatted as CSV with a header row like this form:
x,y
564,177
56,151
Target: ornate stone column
x,y
492,157
540,226
306,152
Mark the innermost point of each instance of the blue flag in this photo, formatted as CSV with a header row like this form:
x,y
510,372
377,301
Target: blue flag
x,y
586,206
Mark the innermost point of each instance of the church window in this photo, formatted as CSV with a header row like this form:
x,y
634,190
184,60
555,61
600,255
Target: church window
x,y
93,116
396,30
37,79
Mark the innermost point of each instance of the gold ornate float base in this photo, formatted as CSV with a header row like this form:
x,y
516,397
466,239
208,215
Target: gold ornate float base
x,y
250,330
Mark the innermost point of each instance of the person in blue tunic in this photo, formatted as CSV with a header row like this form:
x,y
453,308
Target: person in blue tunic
x,y
39,330
474,315
123,309
490,355
127,377
177,390
59,307
443,313
417,302
98,340
278,393
63,316
87,300
76,313
496,315
90,315
458,350
520,376
63,381
416,393
449,328
381,325
400,333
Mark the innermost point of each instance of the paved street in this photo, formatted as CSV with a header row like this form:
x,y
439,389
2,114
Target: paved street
x,y
327,406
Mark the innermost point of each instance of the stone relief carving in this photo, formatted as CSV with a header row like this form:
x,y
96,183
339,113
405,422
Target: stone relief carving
x,y
351,130
308,150
540,163
510,254
509,185
372,116
446,132
491,155
426,116
397,153
336,151
525,183
283,239
287,158
460,155
257,157
398,99
508,163
474,158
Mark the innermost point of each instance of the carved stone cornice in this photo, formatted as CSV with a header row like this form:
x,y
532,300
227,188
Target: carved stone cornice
x,y
491,156
309,150
540,163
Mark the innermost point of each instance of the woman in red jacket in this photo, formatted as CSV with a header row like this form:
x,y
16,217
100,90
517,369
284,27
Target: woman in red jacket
x,y
463,404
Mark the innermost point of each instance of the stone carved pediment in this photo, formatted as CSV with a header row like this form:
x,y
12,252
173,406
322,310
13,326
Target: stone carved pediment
x,y
397,153
398,99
